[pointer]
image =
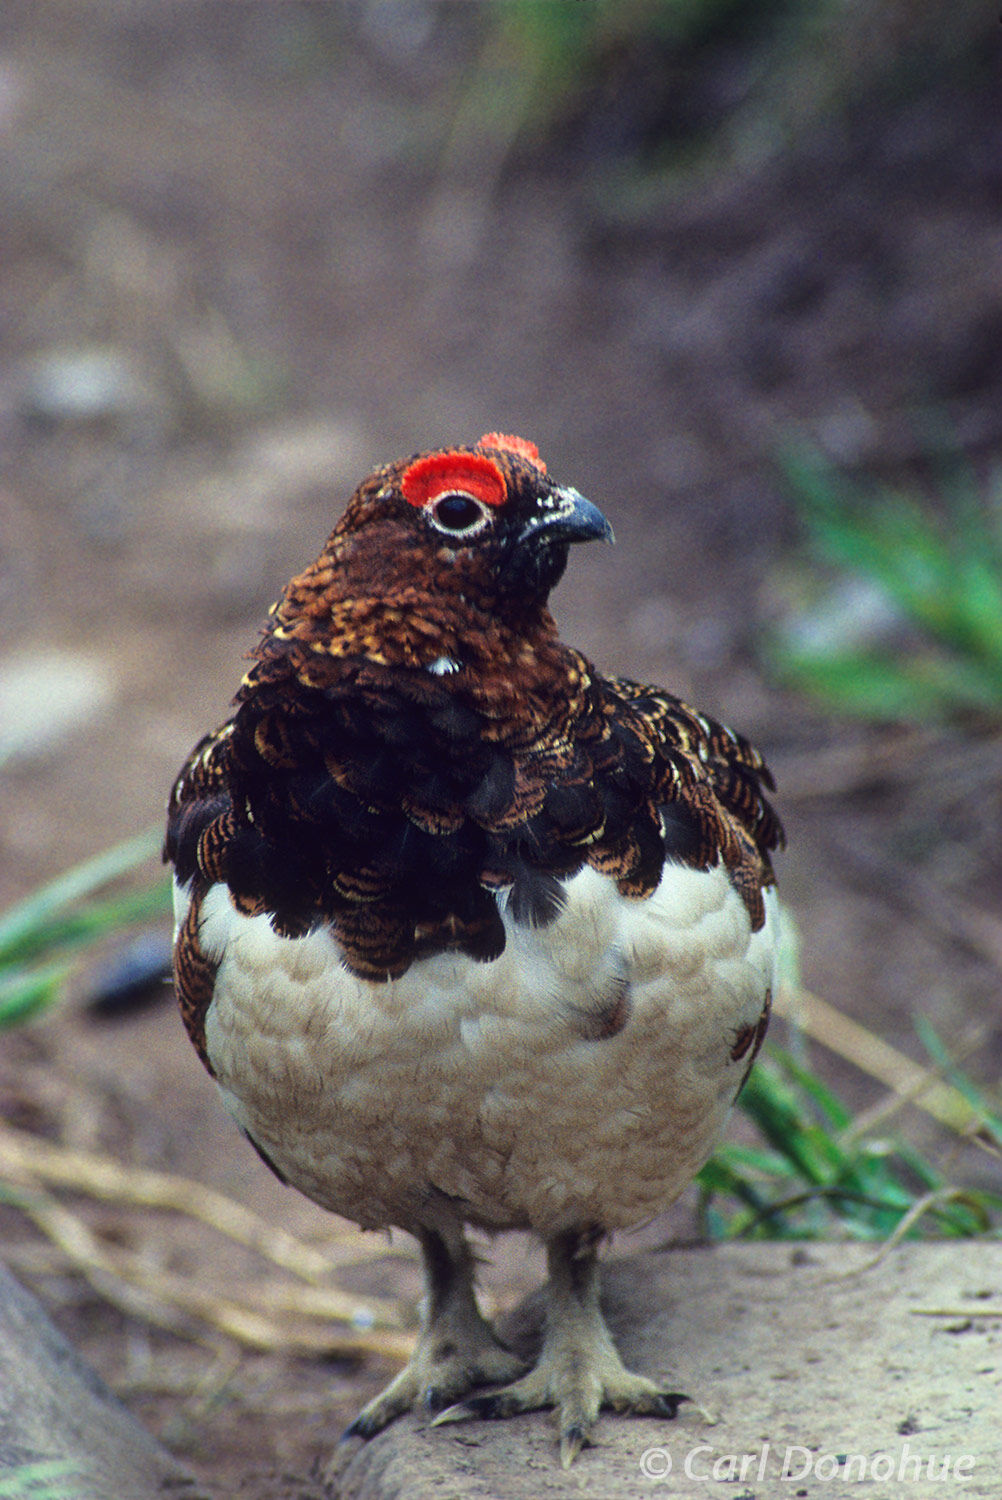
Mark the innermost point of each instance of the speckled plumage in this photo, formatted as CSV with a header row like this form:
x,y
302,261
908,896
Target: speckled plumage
x,y
502,1087
466,931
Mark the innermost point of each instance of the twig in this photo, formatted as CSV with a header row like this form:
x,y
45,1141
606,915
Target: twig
x,y
956,1312
272,1316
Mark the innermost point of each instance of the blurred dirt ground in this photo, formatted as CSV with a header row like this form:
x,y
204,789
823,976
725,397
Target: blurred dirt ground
x,y
248,251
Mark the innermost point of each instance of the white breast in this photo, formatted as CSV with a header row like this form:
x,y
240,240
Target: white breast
x,y
485,1081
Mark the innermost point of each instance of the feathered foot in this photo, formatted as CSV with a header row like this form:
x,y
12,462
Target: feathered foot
x,y
579,1369
457,1350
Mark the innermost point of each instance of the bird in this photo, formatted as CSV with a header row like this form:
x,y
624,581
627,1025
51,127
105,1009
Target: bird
x,y
470,935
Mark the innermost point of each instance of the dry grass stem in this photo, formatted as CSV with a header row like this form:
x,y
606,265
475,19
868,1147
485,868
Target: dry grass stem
x,y
278,1320
273,1315
28,1159
824,1023
956,1312
919,1208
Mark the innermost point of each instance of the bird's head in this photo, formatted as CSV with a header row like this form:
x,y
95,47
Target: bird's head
x,y
488,512
494,508
437,548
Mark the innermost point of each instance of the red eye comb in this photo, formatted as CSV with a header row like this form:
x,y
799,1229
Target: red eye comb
x,y
439,473
513,444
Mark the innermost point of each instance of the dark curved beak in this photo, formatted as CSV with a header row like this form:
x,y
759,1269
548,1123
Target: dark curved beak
x,y
566,516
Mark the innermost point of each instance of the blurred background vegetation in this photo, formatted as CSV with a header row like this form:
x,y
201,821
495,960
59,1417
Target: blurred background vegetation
x,y
668,86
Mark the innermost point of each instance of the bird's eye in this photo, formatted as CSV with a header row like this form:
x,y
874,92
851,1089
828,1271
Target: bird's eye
x,y
459,514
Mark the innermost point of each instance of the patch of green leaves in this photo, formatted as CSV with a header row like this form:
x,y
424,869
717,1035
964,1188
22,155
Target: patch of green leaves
x,y
40,935
813,1177
938,569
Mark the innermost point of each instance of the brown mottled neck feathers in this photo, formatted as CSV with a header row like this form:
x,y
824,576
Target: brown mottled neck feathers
x,y
372,597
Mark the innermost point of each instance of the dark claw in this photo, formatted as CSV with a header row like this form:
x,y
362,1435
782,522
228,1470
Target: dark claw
x,y
572,1440
656,1404
491,1404
362,1427
666,1404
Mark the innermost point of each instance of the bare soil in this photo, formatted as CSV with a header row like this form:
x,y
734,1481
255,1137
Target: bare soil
x,y
244,259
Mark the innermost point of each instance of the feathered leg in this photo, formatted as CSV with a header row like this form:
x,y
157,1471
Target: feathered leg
x,y
579,1369
456,1349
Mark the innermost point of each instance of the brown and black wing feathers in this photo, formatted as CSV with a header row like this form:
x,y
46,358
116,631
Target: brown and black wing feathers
x,y
388,804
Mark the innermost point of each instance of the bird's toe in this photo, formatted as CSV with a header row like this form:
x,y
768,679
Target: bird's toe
x,y
438,1374
578,1391
456,1374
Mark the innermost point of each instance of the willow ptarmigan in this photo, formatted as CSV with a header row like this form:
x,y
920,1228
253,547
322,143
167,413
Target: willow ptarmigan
x,y
467,932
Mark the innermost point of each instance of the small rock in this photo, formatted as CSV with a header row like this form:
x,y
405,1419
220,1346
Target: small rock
x,y
136,973
82,385
45,697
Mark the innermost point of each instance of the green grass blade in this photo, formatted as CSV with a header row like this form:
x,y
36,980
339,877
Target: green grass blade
x,y
26,992
815,1178
92,921
989,1115
830,1108
755,1159
21,923
717,1180
776,1111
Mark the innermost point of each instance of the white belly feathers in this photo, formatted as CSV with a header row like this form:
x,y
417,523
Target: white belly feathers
x,y
581,1078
